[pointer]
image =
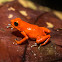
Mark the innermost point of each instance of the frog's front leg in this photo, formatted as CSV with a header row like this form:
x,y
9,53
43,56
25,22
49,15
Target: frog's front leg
x,y
42,39
25,38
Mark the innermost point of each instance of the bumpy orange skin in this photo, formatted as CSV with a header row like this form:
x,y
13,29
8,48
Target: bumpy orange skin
x,y
31,31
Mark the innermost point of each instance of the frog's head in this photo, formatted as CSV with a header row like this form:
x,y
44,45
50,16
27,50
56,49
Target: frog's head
x,y
15,23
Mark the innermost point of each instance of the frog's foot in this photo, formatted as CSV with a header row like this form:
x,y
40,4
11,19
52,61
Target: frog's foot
x,y
42,39
18,42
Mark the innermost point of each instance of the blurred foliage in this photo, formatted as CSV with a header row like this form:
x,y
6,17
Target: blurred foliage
x,y
32,5
28,4
2,1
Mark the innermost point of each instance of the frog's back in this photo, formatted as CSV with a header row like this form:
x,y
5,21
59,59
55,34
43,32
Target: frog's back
x,y
33,31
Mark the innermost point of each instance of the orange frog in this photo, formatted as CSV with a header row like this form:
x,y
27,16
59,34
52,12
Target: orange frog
x,y
31,31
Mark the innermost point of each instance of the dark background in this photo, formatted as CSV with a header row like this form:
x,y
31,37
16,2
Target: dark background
x,y
54,4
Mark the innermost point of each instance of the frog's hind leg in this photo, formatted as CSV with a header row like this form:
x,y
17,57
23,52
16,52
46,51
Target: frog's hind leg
x,y
45,42
45,29
42,39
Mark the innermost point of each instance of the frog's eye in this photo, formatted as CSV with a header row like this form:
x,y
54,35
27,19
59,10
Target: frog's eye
x,y
15,23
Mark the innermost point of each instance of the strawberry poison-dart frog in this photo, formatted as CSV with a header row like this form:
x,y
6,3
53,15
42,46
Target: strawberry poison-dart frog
x,y
31,31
